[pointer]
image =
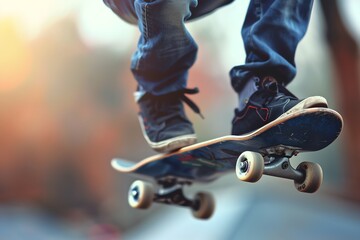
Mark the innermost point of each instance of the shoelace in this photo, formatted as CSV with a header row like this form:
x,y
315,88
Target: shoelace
x,y
160,103
188,101
272,89
269,89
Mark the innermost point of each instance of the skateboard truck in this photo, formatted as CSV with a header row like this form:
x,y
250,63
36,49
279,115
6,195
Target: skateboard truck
x,y
171,192
250,167
279,166
142,194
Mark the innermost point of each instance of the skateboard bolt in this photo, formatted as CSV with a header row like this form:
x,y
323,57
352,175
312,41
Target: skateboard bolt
x,y
244,166
135,193
285,165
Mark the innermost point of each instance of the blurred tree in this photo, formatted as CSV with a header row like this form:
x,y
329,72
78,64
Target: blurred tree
x,y
345,56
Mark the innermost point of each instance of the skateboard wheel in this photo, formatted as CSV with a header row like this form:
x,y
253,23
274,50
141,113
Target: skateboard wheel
x,y
204,205
140,194
313,177
250,166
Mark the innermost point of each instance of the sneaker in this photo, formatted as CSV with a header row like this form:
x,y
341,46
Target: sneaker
x,y
271,101
163,121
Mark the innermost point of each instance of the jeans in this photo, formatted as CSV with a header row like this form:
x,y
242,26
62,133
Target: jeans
x,y
271,32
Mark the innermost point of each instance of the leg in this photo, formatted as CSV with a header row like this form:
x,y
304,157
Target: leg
x,y
271,33
160,65
165,49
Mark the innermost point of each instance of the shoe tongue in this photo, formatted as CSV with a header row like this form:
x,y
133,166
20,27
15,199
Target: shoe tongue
x,y
269,83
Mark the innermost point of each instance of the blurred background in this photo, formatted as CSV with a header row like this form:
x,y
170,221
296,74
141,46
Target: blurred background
x,y
67,108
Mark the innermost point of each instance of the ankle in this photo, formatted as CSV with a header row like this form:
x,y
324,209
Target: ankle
x,y
247,91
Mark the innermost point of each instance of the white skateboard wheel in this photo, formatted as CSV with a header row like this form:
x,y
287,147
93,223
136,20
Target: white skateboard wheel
x,y
249,166
313,177
205,205
140,194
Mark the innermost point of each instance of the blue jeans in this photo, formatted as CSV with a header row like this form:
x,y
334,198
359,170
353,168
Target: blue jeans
x,y
166,51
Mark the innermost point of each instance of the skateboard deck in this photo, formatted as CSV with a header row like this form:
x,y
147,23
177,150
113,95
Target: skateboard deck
x,y
307,130
264,151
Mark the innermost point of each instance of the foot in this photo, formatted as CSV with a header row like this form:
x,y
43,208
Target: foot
x,y
270,102
164,123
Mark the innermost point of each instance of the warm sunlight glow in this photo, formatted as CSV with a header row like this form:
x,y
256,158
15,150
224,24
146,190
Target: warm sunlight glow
x,y
14,56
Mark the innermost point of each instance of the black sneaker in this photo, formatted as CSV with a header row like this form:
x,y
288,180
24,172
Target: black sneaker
x,y
271,101
163,121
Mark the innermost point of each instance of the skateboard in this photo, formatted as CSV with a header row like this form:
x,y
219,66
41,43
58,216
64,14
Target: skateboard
x,y
267,150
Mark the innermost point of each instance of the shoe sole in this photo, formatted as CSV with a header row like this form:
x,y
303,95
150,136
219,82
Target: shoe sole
x,y
310,102
171,144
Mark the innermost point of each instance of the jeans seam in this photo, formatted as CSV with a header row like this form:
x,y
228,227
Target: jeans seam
x,y
258,9
145,19
146,30
258,13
